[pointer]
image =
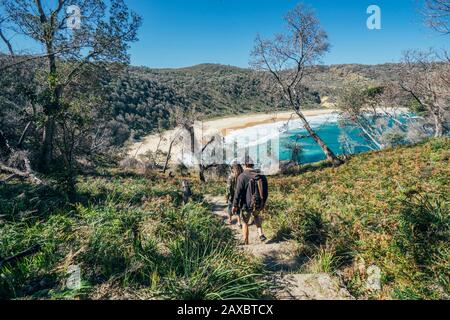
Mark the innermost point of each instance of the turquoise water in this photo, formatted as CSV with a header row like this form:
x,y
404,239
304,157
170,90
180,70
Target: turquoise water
x,y
272,139
311,152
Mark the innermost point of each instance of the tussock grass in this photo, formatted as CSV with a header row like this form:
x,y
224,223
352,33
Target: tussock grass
x,y
387,208
128,234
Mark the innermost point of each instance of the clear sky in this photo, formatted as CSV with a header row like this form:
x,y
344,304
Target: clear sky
x,y
178,33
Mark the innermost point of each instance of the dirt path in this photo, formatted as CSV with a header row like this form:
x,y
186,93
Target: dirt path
x,y
281,259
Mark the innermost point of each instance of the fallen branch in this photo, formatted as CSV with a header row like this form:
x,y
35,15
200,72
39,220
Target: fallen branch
x,y
28,252
23,174
23,136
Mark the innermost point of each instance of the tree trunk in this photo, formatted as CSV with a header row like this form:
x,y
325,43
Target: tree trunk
x,y
438,125
47,145
370,136
50,110
190,130
166,164
328,152
201,173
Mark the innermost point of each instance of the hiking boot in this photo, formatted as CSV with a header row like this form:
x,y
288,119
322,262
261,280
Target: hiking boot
x,y
262,238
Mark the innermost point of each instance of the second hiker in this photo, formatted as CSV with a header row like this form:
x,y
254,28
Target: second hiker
x,y
251,196
236,170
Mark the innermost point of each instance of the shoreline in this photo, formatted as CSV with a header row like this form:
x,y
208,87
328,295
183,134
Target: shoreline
x,y
250,120
221,125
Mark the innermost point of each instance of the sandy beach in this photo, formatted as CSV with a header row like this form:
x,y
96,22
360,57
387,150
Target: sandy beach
x,y
249,120
222,126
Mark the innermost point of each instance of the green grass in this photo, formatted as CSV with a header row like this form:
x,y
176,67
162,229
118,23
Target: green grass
x,y
131,237
388,208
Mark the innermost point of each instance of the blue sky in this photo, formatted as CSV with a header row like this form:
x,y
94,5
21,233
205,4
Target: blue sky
x,y
179,33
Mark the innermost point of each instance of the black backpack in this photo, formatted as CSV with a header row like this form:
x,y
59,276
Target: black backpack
x,y
255,194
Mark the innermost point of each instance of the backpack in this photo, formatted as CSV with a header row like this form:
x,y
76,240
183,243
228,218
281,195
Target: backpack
x,y
255,194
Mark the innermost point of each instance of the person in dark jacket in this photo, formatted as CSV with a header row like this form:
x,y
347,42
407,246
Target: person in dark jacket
x,y
243,201
236,170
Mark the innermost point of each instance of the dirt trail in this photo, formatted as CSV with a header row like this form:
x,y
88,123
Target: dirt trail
x,y
282,260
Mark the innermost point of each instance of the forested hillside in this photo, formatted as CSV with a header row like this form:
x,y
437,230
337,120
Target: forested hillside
x,y
144,99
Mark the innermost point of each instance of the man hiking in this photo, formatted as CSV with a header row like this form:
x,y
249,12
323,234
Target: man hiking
x,y
251,196
236,170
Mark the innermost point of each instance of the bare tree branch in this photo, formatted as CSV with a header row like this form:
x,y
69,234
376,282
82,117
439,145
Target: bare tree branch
x,y
29,175
437,15
286,58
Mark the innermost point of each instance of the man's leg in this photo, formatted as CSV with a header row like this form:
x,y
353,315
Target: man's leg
x,y
245,232
245,216
258,222
230,213
239,219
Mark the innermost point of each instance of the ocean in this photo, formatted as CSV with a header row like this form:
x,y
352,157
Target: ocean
x,y
274,140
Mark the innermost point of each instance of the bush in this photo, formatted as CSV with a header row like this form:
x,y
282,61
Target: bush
x,y
421,240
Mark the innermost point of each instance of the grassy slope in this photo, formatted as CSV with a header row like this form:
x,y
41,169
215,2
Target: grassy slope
x,y
387,208
133,238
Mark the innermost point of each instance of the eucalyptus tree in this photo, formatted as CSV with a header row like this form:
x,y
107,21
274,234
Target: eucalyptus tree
x,y
286,59
425,76
74,38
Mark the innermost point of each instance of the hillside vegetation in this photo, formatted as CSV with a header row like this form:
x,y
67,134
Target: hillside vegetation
x,y
138,101
389,209
144,100
133,237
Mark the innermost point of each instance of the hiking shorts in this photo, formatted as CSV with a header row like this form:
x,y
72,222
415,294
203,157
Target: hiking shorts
x,y
246,215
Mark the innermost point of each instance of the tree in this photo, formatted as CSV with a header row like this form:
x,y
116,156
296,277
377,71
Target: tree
x,y
374,111
286,58
68,52
352,103
295,148
425,76
437,13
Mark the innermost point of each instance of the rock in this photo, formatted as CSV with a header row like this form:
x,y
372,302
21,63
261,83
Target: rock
x,y
311,287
